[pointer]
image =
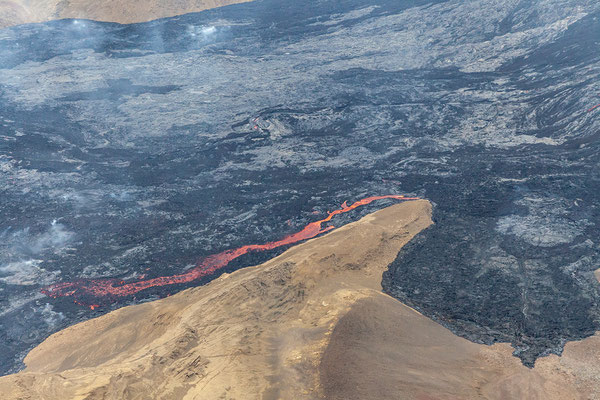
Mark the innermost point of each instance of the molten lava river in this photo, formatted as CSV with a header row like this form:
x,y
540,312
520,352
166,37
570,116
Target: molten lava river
x,y
83,291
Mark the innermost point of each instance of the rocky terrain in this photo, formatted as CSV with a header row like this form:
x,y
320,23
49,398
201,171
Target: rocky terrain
x,y
309,324
134,152
258,333
14,12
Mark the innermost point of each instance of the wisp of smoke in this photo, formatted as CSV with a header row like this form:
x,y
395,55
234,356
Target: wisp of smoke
x,y
203,33
21,253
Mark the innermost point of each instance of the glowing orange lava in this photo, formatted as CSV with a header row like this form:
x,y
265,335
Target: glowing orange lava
x,y
97,288
593,108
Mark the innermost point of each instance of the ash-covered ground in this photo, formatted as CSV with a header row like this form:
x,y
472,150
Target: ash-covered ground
x,y
136,150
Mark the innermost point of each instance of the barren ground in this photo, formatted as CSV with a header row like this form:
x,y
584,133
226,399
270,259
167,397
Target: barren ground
x,y
311,323
14,12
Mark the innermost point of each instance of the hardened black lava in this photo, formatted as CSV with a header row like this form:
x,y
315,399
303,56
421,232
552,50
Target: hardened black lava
x,y
133,151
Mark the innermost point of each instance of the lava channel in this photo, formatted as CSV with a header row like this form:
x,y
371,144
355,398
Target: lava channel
x,y
82,291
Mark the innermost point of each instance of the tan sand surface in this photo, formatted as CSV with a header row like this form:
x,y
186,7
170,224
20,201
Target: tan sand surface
x,y
309,324
14,12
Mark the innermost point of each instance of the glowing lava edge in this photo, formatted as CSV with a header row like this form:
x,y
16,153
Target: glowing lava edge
x,y
102,288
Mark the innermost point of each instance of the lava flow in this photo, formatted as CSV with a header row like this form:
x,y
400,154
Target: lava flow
x,y
593,108
98,288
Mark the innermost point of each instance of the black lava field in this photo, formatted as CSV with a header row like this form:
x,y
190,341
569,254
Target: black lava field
x,y
132,152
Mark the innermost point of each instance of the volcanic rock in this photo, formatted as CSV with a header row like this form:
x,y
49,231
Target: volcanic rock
x,y
311,323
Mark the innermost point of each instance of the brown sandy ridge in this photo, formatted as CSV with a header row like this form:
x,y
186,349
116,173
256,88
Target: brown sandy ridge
x,y
15,12
309,324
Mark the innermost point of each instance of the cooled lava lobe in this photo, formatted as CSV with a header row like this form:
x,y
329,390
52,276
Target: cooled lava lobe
x,y
134,151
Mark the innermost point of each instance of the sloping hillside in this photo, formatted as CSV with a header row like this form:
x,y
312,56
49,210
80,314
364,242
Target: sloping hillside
x,y
14,12
257,333
311,323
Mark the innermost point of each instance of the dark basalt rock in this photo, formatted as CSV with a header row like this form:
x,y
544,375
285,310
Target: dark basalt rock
x,y
130,150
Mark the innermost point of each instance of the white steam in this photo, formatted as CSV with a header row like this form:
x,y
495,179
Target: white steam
x,y
22,254
54,239
26,273
51,317
203,33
